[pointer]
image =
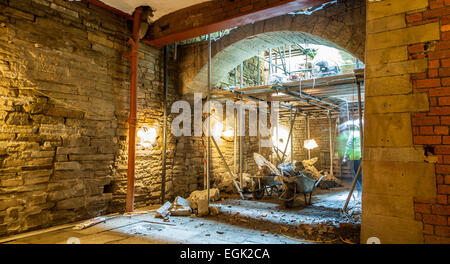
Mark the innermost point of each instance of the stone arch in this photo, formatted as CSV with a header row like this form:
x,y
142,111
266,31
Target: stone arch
x,y
341,25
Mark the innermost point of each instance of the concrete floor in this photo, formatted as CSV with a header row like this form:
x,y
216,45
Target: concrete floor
x,y
252,222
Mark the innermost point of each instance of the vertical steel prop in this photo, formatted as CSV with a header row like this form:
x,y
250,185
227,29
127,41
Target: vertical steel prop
x,y
361,136
166,84
208,158
133,42
331,143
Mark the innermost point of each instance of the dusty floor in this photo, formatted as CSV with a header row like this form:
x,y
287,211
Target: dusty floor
x,y
239,221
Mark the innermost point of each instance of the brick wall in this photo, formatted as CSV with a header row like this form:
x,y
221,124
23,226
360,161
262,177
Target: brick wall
x,y
63,145
431,129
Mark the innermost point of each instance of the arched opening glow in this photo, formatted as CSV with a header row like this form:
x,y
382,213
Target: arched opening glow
x,y
282,139
147,136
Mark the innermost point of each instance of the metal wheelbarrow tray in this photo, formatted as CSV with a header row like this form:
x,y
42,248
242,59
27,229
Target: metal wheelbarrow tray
x,y
297,184
261,184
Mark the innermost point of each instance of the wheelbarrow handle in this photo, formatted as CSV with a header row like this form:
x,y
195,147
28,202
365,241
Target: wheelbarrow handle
x,y
318,181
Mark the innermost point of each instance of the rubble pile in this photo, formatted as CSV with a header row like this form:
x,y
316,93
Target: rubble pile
x,y
330,181
224,183
195,205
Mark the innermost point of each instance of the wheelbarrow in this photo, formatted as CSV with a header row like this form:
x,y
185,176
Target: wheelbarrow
x,y
265,184
268,181
293,183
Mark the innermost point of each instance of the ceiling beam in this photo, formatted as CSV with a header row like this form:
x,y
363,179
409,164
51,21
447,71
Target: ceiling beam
x,y
213,16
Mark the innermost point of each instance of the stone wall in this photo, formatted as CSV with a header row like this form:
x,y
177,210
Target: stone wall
x,y
250,77
64,88
319,131
404,112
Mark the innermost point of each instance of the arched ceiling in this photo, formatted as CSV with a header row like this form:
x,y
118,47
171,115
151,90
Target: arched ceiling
x,y
231,56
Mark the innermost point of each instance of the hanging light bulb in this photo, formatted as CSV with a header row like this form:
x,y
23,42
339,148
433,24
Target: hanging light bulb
x,y
310,144
229,133
147,136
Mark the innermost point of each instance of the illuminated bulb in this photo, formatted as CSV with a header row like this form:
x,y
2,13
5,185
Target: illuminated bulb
x,y
147,136
310,144
229,133
278,94
216,130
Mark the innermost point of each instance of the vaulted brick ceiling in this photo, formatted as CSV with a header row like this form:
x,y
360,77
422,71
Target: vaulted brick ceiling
x,y
162,7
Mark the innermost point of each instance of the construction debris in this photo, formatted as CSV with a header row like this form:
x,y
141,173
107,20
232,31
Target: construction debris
x,y
223,182
330,181
163,211
181,207
202,207
197,195
311,169
213,210
90,222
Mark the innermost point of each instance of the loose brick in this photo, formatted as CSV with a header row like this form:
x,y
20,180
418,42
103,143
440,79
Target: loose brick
x,y
434,219
416,48
428,229
427,83
414,17
427,140
442,169
433,239
443,189
442,231
441,130
441,209
426,130
422,208
426,121
424,200
442,149
442,198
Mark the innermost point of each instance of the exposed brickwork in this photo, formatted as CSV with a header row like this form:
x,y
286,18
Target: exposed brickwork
x,y
432,129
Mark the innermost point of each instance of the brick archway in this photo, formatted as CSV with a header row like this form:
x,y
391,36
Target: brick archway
x,y
341,25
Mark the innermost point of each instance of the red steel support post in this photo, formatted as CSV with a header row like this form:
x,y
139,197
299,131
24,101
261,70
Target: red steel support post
x,y
134,42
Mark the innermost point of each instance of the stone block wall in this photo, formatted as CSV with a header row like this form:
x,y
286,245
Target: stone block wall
x,y
250,77
405,113
64,88
319,131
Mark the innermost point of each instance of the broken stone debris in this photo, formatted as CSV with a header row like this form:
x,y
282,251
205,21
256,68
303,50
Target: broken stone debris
x,y
163,211
213,210
89,223
202,207
181,207
224,183
197,195
196,203
330,181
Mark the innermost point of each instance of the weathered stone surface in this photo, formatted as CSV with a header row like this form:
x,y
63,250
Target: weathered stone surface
x,y
401,37
377,9
72,203
390,130
202,207
417,102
